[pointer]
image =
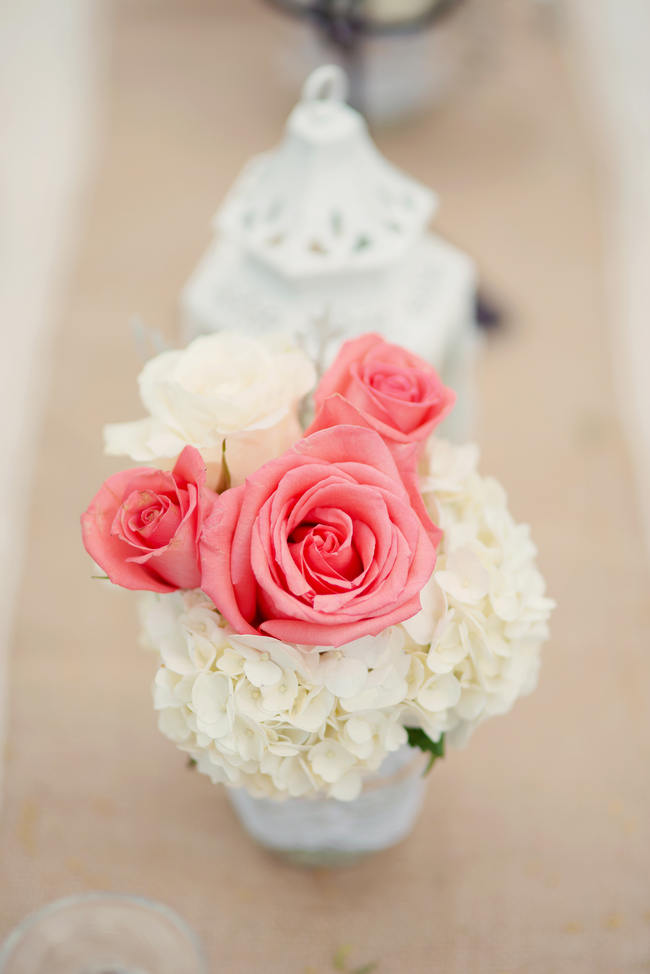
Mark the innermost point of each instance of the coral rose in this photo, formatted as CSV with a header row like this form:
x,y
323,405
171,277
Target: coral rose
x,y
143,525
399,394
328,543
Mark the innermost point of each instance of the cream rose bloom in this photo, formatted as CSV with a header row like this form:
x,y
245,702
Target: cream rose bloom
x,y
222,387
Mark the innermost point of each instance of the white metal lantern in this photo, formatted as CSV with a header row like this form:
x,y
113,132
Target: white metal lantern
x,y
324,238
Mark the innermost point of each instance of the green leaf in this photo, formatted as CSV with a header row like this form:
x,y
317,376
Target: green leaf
x,y
192,763
225,470
340,959
435,749
366,968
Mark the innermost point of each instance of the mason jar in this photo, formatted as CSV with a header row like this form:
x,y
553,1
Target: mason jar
x,y
328,832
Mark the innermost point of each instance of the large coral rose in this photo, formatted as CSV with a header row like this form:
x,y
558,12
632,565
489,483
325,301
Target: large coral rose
x,y
328,543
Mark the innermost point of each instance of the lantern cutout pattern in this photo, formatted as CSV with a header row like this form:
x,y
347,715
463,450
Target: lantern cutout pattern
x,y
325,239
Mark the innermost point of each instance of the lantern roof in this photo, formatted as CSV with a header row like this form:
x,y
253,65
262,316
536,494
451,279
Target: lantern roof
x,y
325,200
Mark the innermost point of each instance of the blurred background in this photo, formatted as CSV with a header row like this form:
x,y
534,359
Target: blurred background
x,y
123,126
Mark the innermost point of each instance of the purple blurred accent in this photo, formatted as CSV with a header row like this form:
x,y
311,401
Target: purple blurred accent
x,y
489,316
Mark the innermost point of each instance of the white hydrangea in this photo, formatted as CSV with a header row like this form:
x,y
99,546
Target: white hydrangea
x,y
284,720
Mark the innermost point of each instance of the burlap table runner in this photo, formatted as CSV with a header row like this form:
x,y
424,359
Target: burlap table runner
x,y
532,854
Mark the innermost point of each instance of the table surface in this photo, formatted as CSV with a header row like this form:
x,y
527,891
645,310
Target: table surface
x,y
533,851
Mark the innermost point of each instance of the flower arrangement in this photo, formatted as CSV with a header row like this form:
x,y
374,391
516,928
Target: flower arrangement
x,y
318,598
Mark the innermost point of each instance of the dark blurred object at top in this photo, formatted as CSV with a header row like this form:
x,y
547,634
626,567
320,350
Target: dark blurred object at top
x,y
345,21
345,28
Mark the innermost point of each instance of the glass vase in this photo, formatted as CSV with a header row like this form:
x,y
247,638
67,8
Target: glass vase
x,y
102,933
329,832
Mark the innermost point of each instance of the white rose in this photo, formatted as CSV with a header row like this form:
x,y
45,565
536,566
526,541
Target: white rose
x,y
222,387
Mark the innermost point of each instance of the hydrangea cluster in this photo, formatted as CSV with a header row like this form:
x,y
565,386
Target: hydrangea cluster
x,y
286,720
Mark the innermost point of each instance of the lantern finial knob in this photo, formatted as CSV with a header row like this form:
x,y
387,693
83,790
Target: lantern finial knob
x,y
327,83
